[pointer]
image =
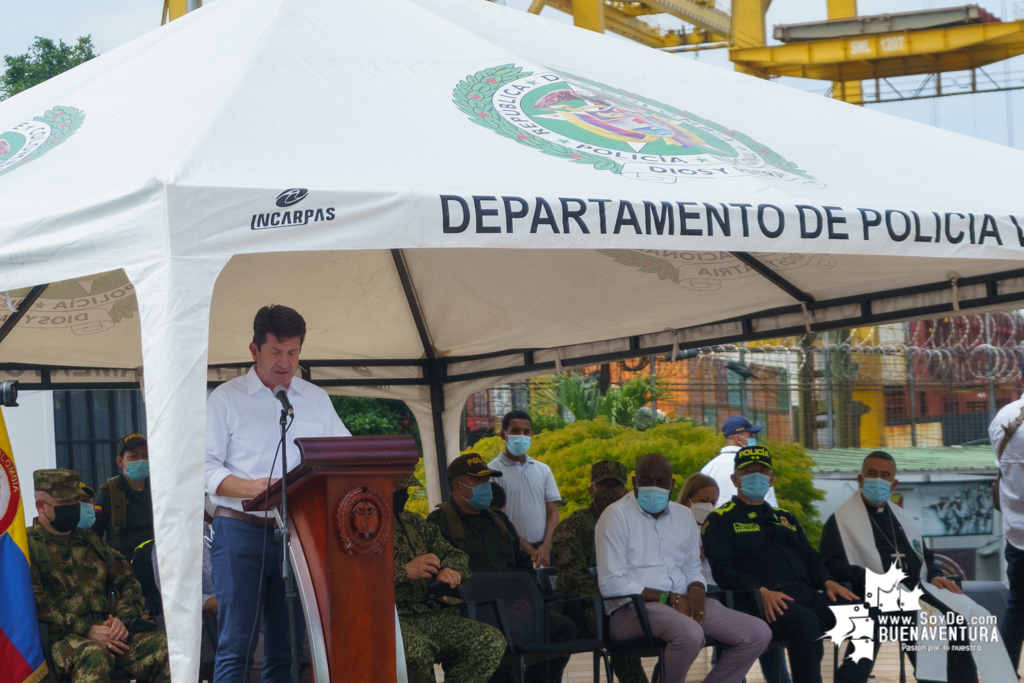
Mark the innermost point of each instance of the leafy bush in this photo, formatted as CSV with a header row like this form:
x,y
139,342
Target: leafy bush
x,y
571,450
581,396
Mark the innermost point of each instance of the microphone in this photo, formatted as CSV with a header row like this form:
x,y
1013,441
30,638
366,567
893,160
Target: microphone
x,y
281,394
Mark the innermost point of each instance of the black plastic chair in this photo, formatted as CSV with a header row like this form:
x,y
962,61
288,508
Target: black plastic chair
x,y
512,603
547,577
644,646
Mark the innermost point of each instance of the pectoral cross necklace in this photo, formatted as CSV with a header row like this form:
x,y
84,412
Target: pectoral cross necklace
x,y
896,555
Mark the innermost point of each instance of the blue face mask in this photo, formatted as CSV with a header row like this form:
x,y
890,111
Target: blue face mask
x,y
482,495
88,516
877,490
755,485
751,442
518,444
137,470
652,499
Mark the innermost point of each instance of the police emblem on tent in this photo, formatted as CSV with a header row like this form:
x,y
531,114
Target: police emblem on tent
x,y
32,139
591,123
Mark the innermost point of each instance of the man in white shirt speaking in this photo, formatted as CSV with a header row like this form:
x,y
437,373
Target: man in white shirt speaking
x,y
650,546
242,445
738,433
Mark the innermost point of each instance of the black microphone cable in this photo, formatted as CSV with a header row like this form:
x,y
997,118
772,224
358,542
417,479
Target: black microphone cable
x,y
263,559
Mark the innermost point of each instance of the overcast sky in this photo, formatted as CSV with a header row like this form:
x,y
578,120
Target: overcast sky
x,y
113,22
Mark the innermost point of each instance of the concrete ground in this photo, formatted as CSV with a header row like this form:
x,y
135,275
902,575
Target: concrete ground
x,y
887,668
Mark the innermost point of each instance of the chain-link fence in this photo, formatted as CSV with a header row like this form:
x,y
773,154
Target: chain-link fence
x,y
929,383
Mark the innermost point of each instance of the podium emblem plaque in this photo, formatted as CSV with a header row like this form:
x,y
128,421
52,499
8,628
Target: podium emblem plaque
x,y
362,521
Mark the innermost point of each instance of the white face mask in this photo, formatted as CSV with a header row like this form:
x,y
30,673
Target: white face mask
x,y
701,511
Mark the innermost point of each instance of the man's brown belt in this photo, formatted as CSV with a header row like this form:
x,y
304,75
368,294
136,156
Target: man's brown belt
x,y
244,517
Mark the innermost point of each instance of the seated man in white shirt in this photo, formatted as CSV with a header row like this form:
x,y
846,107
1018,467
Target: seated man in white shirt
x,y
649,546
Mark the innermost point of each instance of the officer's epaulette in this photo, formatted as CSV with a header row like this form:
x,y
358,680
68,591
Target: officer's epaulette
x,y
784,511
725,508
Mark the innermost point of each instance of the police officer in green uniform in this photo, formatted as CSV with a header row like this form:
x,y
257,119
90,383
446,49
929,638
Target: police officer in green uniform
x,y
422,557
73,575
574,551
751,545
124,504
492,543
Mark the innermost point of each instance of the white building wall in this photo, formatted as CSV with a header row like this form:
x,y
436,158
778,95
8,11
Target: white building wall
x,y
30,427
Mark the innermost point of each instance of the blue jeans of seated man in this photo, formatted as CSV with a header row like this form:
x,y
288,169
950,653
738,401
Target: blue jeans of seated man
x,y
1012,630
237,554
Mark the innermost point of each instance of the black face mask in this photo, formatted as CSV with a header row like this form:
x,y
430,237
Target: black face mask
x,y
398,499
66,517
603,499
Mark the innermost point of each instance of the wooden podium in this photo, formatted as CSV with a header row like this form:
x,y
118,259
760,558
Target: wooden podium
x,y
339,507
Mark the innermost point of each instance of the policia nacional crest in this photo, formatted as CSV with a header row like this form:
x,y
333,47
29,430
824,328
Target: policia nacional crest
x,y
590,123
32,139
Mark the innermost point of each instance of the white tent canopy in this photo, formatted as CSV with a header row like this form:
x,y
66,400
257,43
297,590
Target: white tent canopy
x,y
454,194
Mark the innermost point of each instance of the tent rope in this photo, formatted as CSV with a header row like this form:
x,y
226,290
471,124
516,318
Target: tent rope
x,y
956,293
10,306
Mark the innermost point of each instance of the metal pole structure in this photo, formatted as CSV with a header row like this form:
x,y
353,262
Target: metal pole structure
x,y
654,396
991,366
1008,94
828,391
913,394
743,386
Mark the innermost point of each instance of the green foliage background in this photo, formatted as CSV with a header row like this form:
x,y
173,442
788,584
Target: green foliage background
x,y
570,451
44,60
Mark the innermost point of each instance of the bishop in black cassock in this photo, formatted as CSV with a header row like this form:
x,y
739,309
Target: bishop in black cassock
x,y
891,549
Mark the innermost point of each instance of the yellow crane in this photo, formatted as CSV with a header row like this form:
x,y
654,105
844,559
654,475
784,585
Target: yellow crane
x,y
846,49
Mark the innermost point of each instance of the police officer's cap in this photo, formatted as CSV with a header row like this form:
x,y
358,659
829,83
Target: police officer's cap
x,y
751,454
472,464
129,442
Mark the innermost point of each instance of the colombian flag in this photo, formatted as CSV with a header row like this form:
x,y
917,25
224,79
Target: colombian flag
x,y
21,653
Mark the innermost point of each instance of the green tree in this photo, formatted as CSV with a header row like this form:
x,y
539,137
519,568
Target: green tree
x,y
44,60
622,405
571,450
380,416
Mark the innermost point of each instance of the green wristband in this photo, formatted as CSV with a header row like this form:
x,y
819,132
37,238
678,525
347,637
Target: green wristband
x,y
663,598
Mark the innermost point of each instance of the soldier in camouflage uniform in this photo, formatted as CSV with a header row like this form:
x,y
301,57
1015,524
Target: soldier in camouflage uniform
x,y
574,552
422,556
73,573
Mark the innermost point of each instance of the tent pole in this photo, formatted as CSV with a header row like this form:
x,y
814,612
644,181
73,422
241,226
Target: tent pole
x,y
433,370
23,307
772,276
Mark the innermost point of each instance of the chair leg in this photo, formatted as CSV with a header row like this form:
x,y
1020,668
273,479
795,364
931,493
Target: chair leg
x,y
608,668
903,669
597,669
522,668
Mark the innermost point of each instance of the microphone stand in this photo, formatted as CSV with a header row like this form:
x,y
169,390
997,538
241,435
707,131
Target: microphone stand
x,y
282,534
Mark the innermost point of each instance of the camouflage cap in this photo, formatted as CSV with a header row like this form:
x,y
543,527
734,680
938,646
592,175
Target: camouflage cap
x,y
411,480
61,484
609,469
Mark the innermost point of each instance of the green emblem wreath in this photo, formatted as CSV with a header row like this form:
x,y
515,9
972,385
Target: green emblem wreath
x,y
63,121
473,95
